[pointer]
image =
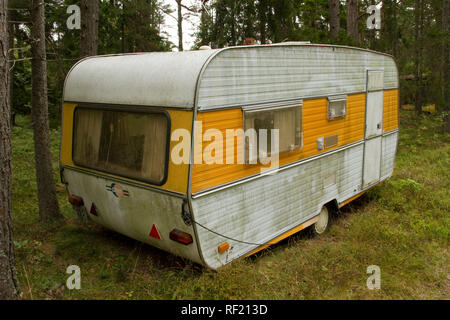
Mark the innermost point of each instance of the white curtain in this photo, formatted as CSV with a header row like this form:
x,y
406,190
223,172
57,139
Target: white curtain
x,y
88,127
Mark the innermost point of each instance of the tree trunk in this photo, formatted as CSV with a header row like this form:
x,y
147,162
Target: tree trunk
x,y
218,29
352,20
206,28
48,203
8,280
418,57
122,25
335,25
395,30
203,12
371,33
233,24
445,63
89,28
262,20
180,26
11,17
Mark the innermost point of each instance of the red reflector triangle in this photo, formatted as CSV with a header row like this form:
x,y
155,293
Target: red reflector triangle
x,y
154,233
94,210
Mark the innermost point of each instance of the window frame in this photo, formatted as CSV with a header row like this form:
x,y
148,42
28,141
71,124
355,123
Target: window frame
x,y
126,109
272,107
339,98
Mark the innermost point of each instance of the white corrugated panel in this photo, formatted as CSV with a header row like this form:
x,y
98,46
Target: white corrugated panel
x,y
372,161
262,209
375,81
389,147
241,76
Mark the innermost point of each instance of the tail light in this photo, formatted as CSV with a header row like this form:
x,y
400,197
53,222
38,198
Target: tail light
x,y
180,236
76,200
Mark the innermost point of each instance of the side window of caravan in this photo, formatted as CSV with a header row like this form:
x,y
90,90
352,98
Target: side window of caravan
x,y
337,107
130,144
288,121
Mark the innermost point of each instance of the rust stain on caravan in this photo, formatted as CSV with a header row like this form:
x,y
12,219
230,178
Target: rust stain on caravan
x,y
314,125
390,111
177,174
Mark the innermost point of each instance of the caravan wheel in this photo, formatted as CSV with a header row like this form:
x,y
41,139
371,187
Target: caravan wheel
x,y
323,224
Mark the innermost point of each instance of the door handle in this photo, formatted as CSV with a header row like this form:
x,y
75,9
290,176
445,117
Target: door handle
x,y
379,126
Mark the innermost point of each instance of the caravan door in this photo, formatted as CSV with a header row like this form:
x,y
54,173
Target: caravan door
x,y
374,127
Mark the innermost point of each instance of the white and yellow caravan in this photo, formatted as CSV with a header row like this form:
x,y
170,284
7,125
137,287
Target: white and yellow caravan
x,y
126,119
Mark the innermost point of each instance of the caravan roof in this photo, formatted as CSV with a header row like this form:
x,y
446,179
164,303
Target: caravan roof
x,y
229,77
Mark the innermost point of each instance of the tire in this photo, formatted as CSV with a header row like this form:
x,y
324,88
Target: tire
x,y
323,224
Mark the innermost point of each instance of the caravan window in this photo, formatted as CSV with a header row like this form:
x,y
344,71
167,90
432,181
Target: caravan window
x,y
286,119
337,107
131,144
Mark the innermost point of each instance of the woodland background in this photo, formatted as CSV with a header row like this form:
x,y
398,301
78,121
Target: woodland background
x,y
415,32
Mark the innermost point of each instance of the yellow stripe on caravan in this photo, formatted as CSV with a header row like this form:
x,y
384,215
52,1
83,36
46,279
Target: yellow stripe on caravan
x,y
177,174
390,110
315,124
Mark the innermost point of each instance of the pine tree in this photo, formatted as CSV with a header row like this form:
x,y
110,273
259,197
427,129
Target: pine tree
x,y
8,280
352,20
89,28
335,24
48,202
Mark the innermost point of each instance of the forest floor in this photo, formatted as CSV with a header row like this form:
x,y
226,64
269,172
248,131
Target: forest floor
x,y
402,226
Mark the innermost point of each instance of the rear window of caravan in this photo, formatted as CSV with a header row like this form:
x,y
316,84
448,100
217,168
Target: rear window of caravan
x,y
133,144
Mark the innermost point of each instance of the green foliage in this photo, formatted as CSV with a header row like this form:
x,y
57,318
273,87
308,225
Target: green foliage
x,y
131,26
230,22
282,20
18,4
124,26
21,99
406,184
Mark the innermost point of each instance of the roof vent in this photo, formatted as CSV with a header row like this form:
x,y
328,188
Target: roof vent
x,y
204,48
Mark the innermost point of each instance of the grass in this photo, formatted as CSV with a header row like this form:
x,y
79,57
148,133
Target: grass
x,y
402,226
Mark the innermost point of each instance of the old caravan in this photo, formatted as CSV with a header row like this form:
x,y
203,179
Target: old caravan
x,y
125,118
